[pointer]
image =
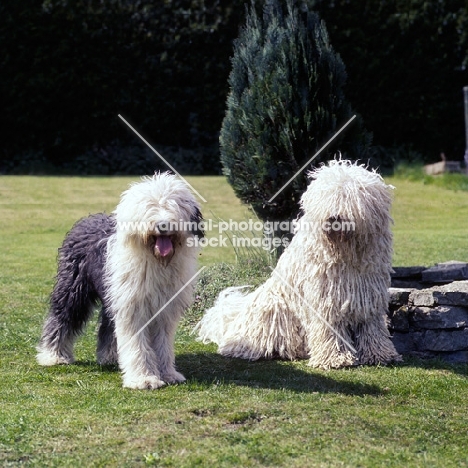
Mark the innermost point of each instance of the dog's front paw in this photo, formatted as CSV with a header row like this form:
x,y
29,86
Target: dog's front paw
x,y
146,382
334,360
382,360
46,357
173,377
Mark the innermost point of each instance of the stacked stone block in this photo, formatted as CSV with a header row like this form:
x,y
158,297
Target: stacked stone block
x,y
428,311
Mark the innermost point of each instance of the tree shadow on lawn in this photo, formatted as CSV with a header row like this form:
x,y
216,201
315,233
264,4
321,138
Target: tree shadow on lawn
x,y
208,368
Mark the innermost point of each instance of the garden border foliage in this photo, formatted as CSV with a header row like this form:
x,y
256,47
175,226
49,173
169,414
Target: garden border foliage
x,y
68,68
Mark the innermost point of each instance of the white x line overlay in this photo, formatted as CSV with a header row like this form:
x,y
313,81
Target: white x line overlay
x,y
160,157
298,294
162,308
312,158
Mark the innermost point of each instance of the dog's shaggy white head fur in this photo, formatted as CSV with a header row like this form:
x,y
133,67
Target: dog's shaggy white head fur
x,y
348,207
159,212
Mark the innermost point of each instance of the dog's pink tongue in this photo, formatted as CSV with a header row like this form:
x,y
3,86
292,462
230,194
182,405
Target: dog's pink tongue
x,y
164,245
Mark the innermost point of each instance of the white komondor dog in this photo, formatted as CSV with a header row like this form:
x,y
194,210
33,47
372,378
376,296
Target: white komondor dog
x,y
328,295
138,263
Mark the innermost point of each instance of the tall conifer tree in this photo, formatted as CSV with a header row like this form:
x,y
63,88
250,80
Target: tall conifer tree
x,y
286,101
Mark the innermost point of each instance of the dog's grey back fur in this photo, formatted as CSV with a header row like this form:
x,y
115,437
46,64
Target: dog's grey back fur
x,y
79,286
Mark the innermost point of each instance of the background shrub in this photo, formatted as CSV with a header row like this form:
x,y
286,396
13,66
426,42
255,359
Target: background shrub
x,y
286,101
70,67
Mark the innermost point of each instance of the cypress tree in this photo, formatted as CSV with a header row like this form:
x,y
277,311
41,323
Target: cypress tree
x,y
285,102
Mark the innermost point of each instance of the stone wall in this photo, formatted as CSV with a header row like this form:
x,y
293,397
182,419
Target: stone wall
x,y
429,311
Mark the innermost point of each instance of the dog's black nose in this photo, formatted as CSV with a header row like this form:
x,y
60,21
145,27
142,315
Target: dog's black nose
x,y
338,228
163,227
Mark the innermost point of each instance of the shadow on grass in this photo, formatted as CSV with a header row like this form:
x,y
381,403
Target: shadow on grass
x,y
438,363
93,365
208,368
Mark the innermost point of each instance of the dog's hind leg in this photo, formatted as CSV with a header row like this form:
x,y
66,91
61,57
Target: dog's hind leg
x,y
71,306
107,343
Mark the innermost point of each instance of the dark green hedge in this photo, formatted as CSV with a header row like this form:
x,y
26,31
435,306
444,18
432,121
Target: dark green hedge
x,y
68,68
407,63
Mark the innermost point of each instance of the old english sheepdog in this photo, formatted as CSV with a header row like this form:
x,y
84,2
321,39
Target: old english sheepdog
x,y
327,298
138,264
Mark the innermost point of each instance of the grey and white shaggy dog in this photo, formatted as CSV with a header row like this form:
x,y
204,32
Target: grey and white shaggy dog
x,y
138,264
327,298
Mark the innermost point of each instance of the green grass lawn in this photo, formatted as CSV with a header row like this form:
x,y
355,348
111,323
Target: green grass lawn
x,y
431,224
230,413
